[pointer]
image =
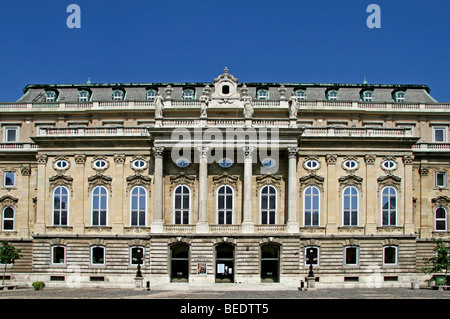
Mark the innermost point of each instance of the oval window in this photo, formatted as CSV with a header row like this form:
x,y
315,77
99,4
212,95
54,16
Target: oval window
x,y
61,164
350,164
311,164
268,162
182,162
225,162
388,164
100,163
139,163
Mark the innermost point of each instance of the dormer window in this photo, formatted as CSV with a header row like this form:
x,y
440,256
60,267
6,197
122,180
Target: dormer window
x,y
332,95
262,94
188,94
117,95
400,97
50,96
367,96
83,96
301,95
150,95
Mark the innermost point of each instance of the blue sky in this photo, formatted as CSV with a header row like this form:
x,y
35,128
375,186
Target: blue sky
x,y
322,41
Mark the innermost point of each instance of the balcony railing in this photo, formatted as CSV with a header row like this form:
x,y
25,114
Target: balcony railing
x,y
94,131
18,147
431,147
303,105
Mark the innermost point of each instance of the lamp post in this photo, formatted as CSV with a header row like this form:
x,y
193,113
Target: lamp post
x,y
139,261
310,257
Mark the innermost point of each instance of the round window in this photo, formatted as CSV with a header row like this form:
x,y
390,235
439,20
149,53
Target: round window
x,y
350,164
182,162
388,164
100,163
225,162
312,164
61,164
139,163
268,162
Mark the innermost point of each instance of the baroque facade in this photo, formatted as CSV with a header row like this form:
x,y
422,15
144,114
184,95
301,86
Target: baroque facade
x,y
224,182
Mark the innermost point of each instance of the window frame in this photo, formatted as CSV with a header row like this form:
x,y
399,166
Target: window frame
x,y
262,94
317,262
138,211
91,259
115,96
300,95
60,210
367,96
226,210
395,255
187,94
131,255
389,210
52,257
53,97
444,179
182,210
6,130
308,163
399,99
271,213
100,210
444,134
312,209
5,175
332,98
445,219
82,98
13,219
150,97
351,210
356,254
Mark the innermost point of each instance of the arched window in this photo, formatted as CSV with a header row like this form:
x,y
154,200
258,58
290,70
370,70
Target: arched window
x,y
83,96
97,255
150,95
440,218
389,206
138,206
262,94
8,218
268,205
389,255
182,204
311,206
99,206
60,206
367,96
351,257
225,205
179,263
350,206
301,95
332,95
58,255
188,94
270,263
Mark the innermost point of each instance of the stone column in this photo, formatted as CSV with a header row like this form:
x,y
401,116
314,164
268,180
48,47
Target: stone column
x,y
408,194
292,223
202,222
40,224
371,199
425,207
158,200
332,195
247,223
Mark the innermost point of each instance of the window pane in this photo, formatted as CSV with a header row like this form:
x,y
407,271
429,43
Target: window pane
x,y
8,212
350,255
390,255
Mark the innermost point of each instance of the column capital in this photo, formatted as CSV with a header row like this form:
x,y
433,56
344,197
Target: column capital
x,y
248,151
203,151
292,151
158,151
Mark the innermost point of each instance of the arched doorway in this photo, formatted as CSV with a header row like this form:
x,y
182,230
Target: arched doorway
x,y
179,263
225,263
270,263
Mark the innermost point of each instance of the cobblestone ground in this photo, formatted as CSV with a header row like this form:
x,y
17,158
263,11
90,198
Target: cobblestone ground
x,y
99,293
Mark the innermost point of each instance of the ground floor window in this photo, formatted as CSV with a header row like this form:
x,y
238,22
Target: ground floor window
x,y
179,263
270,263
390,255
225,263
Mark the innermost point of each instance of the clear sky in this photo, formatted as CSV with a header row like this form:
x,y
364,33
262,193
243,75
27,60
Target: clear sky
x,y
301,41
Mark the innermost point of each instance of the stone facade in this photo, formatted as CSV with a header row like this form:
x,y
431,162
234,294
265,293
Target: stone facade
x,y
281,167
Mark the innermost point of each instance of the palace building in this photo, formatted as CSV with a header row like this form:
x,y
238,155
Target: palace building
x,y
224,182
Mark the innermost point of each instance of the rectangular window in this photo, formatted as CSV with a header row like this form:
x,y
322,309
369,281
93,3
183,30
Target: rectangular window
x,y
58,255
9,179
440,179
11,134
97,255
390,255
439,134
351,256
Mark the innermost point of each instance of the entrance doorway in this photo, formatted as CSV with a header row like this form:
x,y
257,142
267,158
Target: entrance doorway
x,y
225,263
270,263
179,267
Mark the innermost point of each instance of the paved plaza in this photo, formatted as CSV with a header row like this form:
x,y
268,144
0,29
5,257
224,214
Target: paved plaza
x,y
227,293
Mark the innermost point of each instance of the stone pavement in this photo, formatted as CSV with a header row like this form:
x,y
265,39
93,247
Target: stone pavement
x,y
225,293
